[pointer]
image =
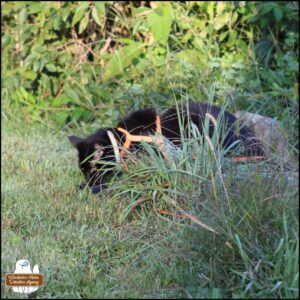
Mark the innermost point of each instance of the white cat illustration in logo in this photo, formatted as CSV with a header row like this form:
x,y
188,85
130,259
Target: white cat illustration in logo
x,y
23,267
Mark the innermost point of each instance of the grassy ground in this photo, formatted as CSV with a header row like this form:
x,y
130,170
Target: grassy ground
x,y
239,237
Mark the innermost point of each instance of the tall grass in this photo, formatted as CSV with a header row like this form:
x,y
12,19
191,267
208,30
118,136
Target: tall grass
x,y
231,207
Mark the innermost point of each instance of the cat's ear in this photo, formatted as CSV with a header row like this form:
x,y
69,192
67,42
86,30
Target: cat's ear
x,y
75,140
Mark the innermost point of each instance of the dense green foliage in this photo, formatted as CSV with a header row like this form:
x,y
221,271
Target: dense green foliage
x,y
67,61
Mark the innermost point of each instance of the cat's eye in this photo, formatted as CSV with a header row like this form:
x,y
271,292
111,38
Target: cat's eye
x,y
26,263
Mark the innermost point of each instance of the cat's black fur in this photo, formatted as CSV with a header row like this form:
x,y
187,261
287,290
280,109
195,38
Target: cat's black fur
x,y
142,122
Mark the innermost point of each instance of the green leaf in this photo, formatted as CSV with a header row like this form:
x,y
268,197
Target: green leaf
x,y
61,100
100,6
77,113
96,17
221,21
210,9
24,93
83,23
54,85
57,23
5,40
60,117
34,8
241,45
50,68
232,38
264,22
223,35
22,16
221,6
86,116
122,59
65,14
160,21
278,13
267,7
31,75
80,11
234,17
25,36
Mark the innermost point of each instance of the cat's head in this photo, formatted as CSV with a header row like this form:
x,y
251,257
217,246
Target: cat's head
x,y
93,152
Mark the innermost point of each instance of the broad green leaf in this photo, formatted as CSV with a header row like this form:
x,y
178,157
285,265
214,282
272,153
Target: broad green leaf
x,y
51,68
160,21
71,93
77,113
210,9
41,18
137,25
232,38
86,116
100,6
19,4
45,81
278,13
31,75
54,85
122,59
254,18
125,41
5,40
221,21
31,98
60,116
264,22
23,93
83,23
96,16
34,7
57,23
84,80
221,5
267,7
241,45
65,13
234,17
80,11
28,27
140,10
61,100
22,16
223,35
25,36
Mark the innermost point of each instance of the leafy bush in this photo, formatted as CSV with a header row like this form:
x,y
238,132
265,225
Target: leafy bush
x,y
75,61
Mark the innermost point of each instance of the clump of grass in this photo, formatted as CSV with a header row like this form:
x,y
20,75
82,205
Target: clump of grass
x,y
233,209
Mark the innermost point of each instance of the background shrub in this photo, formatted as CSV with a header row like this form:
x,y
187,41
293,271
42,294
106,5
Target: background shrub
x,y
78,61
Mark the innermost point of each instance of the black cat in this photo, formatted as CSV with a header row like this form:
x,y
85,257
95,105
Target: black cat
x,y
99,146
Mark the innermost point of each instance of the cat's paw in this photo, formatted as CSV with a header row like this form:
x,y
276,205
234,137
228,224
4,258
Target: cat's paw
x,y
82,185
95,189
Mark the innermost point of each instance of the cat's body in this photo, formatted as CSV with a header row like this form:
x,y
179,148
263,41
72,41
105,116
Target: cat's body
x,y
98,146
